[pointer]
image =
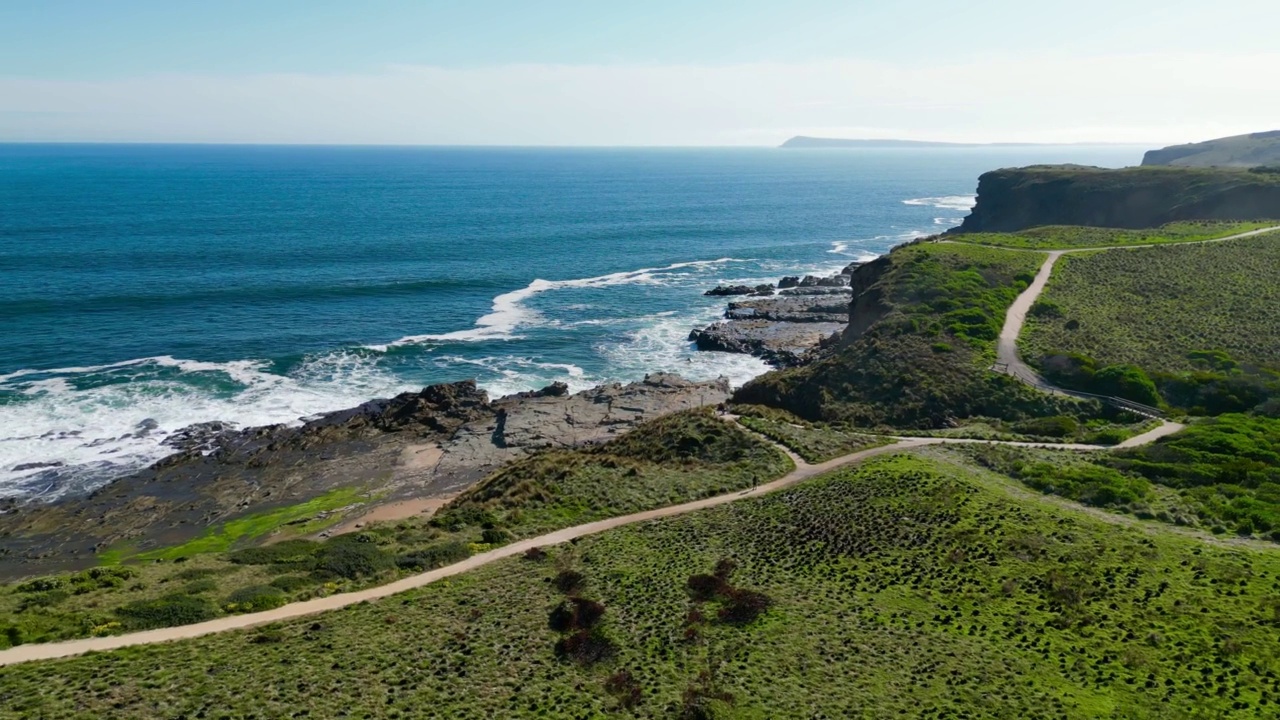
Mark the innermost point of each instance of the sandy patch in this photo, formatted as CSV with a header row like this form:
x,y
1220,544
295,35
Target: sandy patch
x,y
392,511
421,457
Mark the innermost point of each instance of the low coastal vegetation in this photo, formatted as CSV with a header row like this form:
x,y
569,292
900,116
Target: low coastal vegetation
x,y
1053,429
290,521
921,342
1220,474
904,587
815,442
1191,326
1063,237
674,459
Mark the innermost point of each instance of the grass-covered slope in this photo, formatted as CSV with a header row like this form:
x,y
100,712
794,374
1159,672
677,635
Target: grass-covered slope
x,y
904,588
922,337
1202,320
1014,199
815,442
1220,474
1060,237
675,459
1254,149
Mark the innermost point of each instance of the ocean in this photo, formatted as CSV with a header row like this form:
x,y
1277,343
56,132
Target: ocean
x,y
145,288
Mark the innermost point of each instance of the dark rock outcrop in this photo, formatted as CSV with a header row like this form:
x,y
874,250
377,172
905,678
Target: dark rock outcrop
x,y
837,280
796,309
799,291
727,290
789,329
781,344
430,443
1014,199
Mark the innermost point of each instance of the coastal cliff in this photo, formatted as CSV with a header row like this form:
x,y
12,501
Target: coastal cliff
x,y
1017,198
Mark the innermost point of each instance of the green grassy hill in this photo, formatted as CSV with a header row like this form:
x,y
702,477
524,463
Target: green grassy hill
x,y
1254,149
908,587
1200,320
1220,474
929,316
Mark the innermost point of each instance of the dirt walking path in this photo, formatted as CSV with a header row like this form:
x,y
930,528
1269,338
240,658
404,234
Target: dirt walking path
x,y
1007,346
803,471
1016,317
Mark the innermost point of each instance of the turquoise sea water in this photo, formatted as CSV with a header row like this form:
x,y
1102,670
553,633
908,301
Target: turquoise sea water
x,y
145,288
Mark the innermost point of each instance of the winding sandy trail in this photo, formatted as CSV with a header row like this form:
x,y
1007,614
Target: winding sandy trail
x,y
1016,317
1007,352
803,471
1007,346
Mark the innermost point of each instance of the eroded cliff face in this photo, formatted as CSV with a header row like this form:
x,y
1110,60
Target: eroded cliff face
x,y
869,304
1015,199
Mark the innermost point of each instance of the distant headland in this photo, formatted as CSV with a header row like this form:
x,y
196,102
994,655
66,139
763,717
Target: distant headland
x,y
1246,151
804,141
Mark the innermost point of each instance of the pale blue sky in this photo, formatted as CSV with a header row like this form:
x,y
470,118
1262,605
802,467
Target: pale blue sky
x,y
657,72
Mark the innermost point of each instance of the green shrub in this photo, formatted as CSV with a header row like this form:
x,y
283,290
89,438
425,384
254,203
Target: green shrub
x,y
200,586
1126,381
1087,483
1058,426
41,584
292,583
741,606
168,611
456,518
351,559
48,598
434,556
586,647
289,552
255,598
1110,436
1045,309
495,536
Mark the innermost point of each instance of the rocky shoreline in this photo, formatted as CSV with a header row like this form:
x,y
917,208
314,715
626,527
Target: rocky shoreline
x,y
419,445
788,325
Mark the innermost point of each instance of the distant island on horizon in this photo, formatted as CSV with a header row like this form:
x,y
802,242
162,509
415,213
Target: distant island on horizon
x,y
805,141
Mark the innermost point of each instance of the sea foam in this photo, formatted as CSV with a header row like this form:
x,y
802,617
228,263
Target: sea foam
x,y
946,202
509,312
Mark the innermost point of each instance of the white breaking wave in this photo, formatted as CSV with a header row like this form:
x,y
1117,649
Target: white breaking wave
x,y
838,248
94,433
663,345
509,375
509,312
946,202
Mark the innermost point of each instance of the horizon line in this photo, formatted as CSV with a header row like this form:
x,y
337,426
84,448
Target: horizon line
x,y
940,144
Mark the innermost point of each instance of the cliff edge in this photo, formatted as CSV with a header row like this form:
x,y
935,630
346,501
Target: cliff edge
x,y
1013,199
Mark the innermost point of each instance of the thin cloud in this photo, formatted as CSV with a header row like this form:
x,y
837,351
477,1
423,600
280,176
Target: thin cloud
x,y
1138,98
